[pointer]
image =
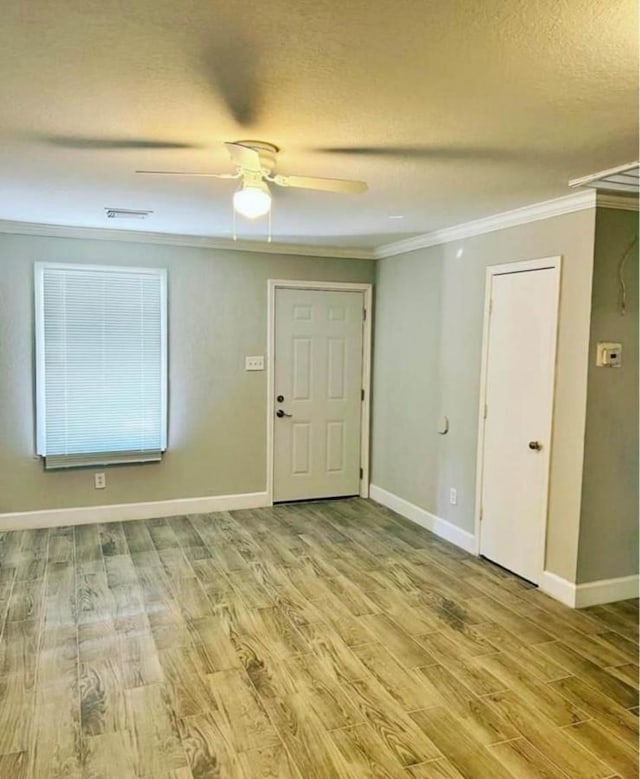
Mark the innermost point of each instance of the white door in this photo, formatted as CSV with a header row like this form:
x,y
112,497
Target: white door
x,y
318,393
517,433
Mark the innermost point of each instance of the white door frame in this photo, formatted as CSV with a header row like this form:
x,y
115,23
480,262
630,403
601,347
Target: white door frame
x,y
543,263
329,286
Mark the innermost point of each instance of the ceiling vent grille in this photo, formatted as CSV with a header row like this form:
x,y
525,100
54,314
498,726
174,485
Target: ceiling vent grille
x,y
126,213
624,178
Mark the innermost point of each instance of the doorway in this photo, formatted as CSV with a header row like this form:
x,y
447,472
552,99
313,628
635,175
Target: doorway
x,y
516,410
318,411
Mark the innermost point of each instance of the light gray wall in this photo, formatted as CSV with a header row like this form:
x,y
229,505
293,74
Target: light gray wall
x,y
609,518
428,339
217,315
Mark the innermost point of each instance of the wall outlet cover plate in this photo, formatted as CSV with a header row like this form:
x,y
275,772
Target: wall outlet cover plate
x,y
609,354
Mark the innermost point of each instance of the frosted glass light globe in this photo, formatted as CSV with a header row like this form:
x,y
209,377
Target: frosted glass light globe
x,y
252,202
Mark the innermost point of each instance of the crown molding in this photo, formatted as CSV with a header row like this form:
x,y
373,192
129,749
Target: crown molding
x,y
518,216
619,202
173,239
578,201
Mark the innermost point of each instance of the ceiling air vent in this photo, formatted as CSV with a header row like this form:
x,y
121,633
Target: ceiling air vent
x,y
126,213
624,178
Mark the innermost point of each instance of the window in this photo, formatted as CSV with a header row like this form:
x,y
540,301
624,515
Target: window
x,y
101,364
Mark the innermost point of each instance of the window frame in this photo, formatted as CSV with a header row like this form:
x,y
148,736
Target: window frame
x,y
40,349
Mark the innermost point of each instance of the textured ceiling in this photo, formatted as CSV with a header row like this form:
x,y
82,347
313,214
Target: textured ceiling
x,y
502,102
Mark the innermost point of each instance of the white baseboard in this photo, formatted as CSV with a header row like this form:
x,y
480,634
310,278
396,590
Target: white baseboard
x,y
437,525
558,588
579,596
606,591
119,512
572,595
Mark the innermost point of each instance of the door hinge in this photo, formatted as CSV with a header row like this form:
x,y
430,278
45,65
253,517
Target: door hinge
x,y
364,314
361,394
361,473
490,305
486,411
481,513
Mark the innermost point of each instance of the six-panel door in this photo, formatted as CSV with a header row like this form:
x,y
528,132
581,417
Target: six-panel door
x,y
318,375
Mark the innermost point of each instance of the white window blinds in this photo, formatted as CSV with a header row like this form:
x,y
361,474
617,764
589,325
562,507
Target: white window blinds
x,y
101,364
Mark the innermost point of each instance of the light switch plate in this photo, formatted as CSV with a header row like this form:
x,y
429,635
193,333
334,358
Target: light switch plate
x,y
255,363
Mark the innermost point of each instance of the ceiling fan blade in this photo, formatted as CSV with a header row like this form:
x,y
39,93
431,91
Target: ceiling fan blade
x,y
188,173
81,142
328,185
428,152
244,157
235,75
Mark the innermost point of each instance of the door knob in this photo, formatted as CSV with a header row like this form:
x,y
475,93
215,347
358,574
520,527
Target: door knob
x,y
535,445
281,413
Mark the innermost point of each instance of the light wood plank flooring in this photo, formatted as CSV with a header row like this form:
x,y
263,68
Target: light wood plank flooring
x,y
307,641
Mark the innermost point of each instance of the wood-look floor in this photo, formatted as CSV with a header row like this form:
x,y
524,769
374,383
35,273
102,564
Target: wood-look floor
x,y
309,641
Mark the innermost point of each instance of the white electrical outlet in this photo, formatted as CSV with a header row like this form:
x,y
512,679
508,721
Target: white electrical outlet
x,y
100,480
453,496
255,363
609,355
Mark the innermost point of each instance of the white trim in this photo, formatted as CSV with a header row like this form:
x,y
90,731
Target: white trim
x,y
606,591
38,307
543,263
164,359
578,201
78,267
175,239
440,527
558,588
579,596
120,512
367,290
619,202
484,363
567,204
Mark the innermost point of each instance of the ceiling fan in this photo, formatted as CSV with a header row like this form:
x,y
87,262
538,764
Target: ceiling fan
x,y
255,163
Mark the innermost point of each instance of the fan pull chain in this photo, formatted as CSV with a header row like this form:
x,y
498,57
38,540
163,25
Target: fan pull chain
x,y
269,215
235,234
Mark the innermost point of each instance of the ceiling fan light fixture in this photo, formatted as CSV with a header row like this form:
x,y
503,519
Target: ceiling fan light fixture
x,y
253,201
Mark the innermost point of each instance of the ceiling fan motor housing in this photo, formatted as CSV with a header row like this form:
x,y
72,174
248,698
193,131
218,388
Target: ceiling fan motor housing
x,y
266,151
252,179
